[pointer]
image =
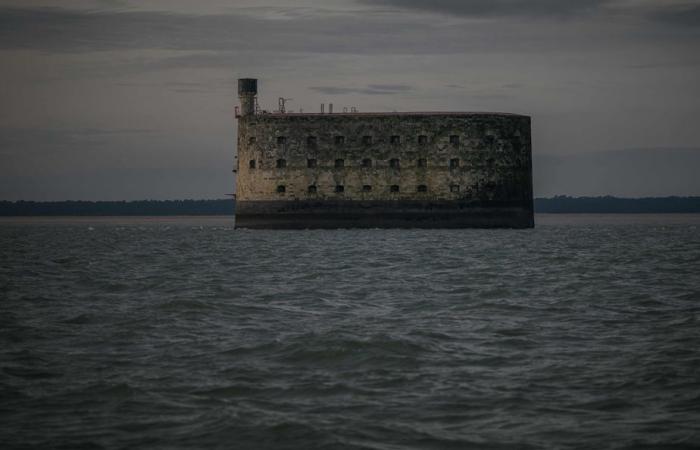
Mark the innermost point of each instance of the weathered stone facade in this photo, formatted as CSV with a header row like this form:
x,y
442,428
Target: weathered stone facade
x,y
347,170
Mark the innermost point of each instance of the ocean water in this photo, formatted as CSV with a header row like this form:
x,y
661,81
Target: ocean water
x,y
184,333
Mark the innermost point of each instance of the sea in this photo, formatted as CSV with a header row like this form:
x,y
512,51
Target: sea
x,y
182,333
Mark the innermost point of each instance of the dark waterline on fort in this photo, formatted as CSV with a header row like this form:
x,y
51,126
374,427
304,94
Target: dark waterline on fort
x,y
133,332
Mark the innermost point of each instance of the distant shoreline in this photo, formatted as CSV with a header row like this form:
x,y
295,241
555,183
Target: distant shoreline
x,y
226,207
617,205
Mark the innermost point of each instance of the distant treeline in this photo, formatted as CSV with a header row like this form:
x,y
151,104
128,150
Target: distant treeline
x,y
559,204
123,208
605,205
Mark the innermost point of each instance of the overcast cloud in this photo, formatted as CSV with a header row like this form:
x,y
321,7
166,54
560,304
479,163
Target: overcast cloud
x,y
115,94
485,8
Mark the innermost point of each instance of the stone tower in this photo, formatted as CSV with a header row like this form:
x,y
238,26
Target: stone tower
x,y
247,91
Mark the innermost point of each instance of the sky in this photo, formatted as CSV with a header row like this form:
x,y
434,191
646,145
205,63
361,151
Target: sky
x,y
123,100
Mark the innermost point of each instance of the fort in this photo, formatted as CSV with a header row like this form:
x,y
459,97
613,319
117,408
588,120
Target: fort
x,y
381,170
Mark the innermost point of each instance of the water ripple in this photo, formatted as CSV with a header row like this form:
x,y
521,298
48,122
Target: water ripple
x,y
193,335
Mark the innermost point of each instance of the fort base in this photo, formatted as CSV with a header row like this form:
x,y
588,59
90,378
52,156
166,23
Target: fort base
x,y
307,215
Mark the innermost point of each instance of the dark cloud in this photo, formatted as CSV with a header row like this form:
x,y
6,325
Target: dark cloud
x,y
60,29
219,40
65,30
624,173
682,15
134,183
24,141
495,8
185,87
389,87
61,137
686,63
371,89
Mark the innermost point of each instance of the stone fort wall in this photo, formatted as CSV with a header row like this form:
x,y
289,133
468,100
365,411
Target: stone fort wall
x,y
466,157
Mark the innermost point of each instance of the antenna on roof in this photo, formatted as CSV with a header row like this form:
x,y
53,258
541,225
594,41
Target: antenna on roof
x,y
282,102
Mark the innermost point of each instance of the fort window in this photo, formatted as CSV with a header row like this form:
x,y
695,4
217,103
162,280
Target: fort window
x,y
311,142
454,139
340,188
454,163
281,189
395,139
422,162
281,163
281,140
454,188
339,163
394,188
312,189
367,140
251,140
366,162
422,139
251,164
394,163
366,188
310,163
339,140
422,188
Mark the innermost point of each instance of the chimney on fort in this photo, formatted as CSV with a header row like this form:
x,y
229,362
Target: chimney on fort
x,y
247,91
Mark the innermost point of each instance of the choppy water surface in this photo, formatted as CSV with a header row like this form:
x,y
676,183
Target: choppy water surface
x,y
183,333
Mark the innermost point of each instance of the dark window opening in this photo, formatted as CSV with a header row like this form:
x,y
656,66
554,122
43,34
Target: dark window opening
x,y
422,188
366,188
454,163
422,139
339,140
394,188
251,164
367,140
281,140
339,163
310,163
422,162
454,188
454,139
281,163
312,189
395,139
251,140
366,162
311,142
340,188
281,189
394,163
